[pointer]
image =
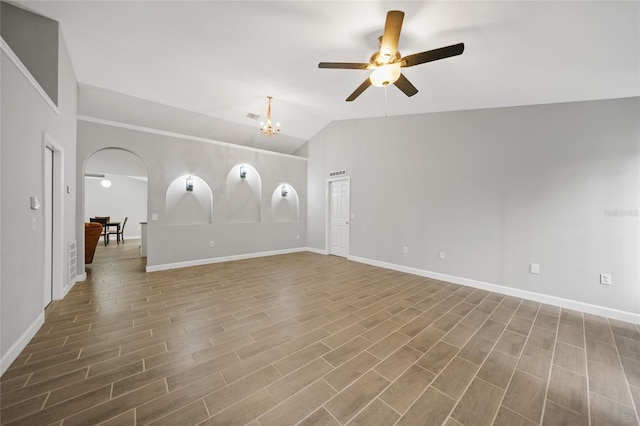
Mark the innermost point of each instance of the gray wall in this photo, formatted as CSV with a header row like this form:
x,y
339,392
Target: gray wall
x,y
34,39
168,158
495,189
25,117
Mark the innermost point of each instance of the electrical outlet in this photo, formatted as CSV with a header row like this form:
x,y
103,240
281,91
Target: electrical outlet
x,y
534,268
405,249
442,254
605,279
154,216
211,244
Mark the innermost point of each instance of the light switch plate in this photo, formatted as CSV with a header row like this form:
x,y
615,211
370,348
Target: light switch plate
x,y
605,279
534,268
35,202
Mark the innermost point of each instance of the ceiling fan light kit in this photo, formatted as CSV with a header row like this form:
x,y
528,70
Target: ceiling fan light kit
x,y
385,75
386,64
267,129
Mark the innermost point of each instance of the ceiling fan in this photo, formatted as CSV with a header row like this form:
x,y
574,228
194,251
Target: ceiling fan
x,y
386,62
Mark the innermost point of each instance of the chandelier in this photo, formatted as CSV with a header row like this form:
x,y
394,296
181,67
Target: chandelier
x,y
268,129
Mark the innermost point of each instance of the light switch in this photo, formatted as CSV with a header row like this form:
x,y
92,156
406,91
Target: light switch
x,y
154,216
534,268
35,202
605,279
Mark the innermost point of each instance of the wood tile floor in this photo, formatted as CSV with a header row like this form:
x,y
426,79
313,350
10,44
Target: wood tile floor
x,y
314,340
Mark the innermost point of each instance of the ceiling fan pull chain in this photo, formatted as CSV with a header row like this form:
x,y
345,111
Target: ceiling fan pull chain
x,y
385,100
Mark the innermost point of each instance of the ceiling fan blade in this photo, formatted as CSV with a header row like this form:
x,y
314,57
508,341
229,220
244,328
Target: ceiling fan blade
x,y
365,84
405,85
432,55
391,35
344,65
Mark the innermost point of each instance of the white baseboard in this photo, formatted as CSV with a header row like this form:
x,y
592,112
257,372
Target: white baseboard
x,y
509,291
317,251
21,343
67,289
164,267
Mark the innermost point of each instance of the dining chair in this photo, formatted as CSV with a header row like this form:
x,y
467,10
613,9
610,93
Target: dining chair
x,y
120,234
102,220
122,229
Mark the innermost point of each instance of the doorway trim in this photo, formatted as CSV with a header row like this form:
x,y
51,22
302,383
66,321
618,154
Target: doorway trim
x,y
327,237
57,238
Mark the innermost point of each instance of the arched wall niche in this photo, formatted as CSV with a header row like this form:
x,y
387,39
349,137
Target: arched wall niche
x,y
243,195
285,209
189,207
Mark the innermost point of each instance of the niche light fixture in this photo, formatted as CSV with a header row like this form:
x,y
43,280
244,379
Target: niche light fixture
x,y
106,183
284,191
243,172
189,184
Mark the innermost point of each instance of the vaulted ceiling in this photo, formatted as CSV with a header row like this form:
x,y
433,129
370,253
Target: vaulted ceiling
x,y
200,64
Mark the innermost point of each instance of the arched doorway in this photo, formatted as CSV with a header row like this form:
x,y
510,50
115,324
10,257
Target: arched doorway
x,y
115,186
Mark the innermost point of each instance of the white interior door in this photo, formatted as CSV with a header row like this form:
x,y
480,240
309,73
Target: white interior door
x,y
48,226
339,232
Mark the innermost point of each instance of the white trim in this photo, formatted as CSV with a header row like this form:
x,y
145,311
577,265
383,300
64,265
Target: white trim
x,y
317,251
132,237
21,343
25,72
57,219
68,287
199,262
182,136
509,291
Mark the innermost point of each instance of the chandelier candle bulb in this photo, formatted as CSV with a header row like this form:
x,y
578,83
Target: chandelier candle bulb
x,y
268,129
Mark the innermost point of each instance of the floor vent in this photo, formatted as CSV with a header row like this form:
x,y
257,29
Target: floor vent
x,y
73,262
338,173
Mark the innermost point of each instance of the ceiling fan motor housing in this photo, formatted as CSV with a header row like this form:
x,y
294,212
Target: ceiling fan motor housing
x,y
378,59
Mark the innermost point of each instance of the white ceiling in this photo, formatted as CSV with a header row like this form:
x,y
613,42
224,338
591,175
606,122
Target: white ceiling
x,y
221,59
